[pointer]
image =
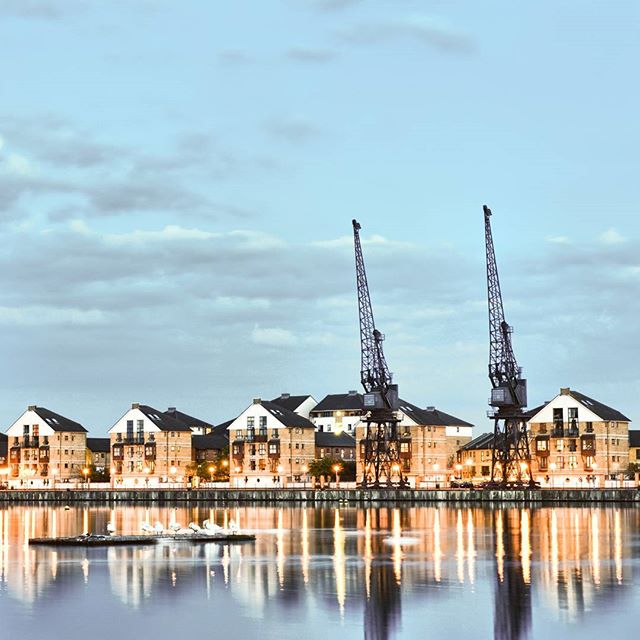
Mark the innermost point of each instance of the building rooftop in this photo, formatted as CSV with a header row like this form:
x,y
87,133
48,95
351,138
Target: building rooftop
x,y
185,418
634,438
290,402
431,416
56,421
484,441
329,439
98,445
163,421
351,401
210,441
288,418
601,410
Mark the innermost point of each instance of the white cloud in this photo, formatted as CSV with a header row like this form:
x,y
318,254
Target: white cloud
x,y
558,240
19,165
612,236
273,337
47,316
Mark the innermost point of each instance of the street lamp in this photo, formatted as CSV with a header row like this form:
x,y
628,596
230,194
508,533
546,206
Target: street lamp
x,y
469,463
212,470
336,469
279,470
85,473
172,472
436,466
459,471
304,470
594,466
146,471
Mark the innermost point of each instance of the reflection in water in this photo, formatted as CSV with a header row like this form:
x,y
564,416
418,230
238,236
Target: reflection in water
x,y
368,573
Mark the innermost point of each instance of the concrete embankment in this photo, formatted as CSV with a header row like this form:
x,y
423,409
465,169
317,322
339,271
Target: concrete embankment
x,y
314,496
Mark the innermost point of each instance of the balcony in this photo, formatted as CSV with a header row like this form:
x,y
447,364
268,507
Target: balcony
x,y
150,451
43,454
588,445
14,455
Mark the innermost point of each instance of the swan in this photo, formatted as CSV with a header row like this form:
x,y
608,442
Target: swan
x,y
211,529
111,529
174,526
194,527
158,527
233,528
147,528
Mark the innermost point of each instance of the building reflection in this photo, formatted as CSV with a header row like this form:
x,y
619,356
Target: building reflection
x,y
347,563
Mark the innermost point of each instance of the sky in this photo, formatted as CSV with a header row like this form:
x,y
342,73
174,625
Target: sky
x,y
178,180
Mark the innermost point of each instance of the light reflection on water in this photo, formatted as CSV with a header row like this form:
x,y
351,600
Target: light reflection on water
x,y
376,573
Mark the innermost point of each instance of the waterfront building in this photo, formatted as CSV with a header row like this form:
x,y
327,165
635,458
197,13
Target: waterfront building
x,y
99,454
473,460
149,448
270,445
339,446
577,441
429,440
4,457
338,412
210,447
302,405
634,452
45,448
198,427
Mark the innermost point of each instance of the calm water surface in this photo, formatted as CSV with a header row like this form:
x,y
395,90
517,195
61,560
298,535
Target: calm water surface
x,y
325,573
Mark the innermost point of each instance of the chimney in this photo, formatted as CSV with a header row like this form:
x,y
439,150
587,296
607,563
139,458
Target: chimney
x,y
31,407
285,396
171,410
353,392
565,391
431,408
135,405
257,401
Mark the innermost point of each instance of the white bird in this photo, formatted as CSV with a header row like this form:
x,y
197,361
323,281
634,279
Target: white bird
x,y
210,529
194,527
158,527
174,526
233,527
147,528
111,529
184,532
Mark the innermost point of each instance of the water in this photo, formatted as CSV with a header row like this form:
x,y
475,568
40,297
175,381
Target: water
x,y
319,573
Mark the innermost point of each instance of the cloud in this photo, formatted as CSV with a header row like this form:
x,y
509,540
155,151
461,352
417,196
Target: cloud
x,y
558,239
234,57
612,236
421,29
40,9
292,130
310,56
273,337
334,5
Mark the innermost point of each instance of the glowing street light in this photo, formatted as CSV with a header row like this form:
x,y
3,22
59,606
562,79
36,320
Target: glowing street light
x,y
85,473
336,469
305,471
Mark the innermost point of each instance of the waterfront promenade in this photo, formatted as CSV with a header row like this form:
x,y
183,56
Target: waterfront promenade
x,y
320,496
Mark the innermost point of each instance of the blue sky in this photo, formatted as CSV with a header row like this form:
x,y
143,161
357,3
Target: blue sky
x,y
178,179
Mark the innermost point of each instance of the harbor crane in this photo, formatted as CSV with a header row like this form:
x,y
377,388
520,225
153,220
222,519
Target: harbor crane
x,y
510,459
380,447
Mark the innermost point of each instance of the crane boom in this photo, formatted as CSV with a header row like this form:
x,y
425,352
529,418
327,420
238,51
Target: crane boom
x,y
510,456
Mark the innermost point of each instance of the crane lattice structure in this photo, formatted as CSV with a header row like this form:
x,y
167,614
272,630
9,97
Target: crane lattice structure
x,y
380,447
510,460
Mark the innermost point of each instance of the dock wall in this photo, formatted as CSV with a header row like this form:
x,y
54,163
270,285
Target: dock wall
x,y
318,497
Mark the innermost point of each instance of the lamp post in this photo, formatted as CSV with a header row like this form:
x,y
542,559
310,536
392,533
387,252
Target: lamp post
x,y
172,474
279,470
336,469
212,470
523,469
146,471
85,473
616,469
436,466
459,471
594,466
552,468
469,463
304,470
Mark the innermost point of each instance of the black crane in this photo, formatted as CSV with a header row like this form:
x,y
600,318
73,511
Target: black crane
x,y
510,460
380,447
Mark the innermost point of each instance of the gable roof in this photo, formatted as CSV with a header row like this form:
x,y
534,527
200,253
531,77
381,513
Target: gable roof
x,y
98,445
185,418
431,416
210,441
634,438
340,401
602,410
290,402
484,441
58,422
163,421
333,439
288,418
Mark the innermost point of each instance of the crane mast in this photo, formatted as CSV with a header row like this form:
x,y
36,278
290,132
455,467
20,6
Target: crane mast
x,y
380,446
510,460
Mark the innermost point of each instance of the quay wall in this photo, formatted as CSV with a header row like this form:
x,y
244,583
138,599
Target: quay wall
x,y
320,496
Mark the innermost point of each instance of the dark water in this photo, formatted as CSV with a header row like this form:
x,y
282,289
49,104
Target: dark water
x,y
410,572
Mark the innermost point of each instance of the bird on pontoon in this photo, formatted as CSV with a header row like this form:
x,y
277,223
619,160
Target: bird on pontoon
x,y
111,529
233,527
194,527
158,527
210,529
147,528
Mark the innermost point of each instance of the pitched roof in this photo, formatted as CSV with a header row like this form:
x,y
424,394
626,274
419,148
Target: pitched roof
x,y
58,422
484,441
532,412
340,401
431,416
210,441
333,439
4,444
286,417
634,438
101,445
290,402
601,410
163,421
185,418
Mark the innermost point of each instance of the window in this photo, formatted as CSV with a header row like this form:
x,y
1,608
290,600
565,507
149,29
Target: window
x,y
262,449
542,445
263,421
589,427
273,448
129,430
251,422
559,445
